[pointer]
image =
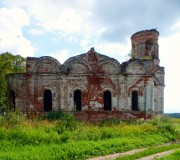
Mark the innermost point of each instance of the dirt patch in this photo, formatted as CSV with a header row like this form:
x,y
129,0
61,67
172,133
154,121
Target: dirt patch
x,y
151,157
116,155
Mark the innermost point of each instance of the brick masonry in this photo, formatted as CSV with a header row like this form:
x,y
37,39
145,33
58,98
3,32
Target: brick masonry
x,y
105,88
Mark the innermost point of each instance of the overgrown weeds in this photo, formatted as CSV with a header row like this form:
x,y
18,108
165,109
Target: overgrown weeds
x,y
59,115
10,119
164,125
60,136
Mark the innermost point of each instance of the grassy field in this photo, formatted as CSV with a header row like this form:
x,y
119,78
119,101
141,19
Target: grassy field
x,y
59,136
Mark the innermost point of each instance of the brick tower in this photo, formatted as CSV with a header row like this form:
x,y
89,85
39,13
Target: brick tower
x,y
145,45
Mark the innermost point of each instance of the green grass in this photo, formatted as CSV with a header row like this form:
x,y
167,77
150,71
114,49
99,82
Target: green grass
x,y
149,151
173,156
64,138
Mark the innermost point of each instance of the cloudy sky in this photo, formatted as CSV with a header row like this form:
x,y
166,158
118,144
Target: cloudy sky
x,y
65,28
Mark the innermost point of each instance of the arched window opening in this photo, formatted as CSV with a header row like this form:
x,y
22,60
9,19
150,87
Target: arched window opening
x,y
149,44
47,100
134,99
107,101
12,99
77,100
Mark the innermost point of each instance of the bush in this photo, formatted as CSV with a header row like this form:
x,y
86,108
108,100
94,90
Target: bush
x,y
65,122
165,126
54,115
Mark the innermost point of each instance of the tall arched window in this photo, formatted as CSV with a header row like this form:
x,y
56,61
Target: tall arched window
x,y
77,100
12,96
107,101
134,100
47,100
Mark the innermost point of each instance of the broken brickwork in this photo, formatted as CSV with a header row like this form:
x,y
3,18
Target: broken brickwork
x,y
94,86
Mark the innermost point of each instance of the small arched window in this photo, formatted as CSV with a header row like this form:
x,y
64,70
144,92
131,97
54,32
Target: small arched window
x,y
47,100
107,101
134,101
149,44
77,100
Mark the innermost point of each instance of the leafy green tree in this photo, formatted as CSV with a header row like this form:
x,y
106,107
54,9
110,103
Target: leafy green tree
x,y
9,63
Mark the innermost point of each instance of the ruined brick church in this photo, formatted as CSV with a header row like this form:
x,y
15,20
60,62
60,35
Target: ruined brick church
x,y
93,86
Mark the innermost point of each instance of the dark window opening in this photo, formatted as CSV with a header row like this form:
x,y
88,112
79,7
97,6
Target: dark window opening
x,y
47,101
134,99
149,44
107,101
12,99
77,100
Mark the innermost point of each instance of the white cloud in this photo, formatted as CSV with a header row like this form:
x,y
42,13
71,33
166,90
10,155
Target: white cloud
x,y
61,55
36,32
69,21
11,20
11,35
15,45
115,50
59,15
170,56
84,42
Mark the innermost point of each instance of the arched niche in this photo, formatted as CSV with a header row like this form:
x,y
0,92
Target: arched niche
x,y
110,66
47,65
79,67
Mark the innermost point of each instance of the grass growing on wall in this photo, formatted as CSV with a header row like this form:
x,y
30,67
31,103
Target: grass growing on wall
x,y
59,136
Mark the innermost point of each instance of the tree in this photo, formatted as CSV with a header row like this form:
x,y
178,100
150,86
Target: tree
x,y
9,63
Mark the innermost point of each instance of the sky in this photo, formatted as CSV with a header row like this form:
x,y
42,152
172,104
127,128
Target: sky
x,y
65,28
